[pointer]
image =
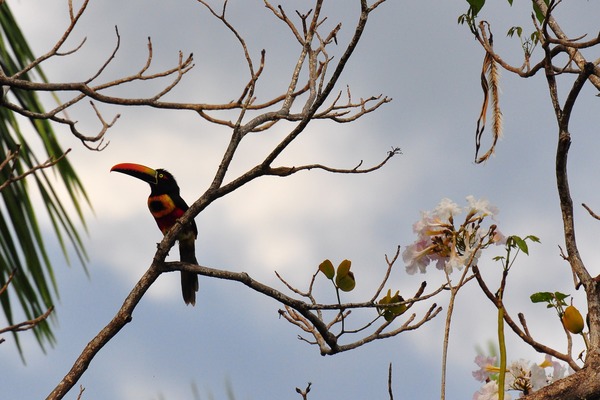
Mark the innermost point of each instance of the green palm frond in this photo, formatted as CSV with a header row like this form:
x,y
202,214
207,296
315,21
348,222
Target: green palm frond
x,y
22,243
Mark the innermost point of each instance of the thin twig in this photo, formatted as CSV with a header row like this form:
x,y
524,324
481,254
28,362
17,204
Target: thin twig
x,y
592,213
390,391
29,324
47,164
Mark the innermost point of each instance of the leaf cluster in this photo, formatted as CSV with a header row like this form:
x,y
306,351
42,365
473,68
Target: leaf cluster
x,y
344,278
22,244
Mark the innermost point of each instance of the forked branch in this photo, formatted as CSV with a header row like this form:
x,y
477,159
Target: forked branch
x,y
252,116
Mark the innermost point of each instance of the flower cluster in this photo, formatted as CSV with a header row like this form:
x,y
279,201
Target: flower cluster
x,y
521,375
439,241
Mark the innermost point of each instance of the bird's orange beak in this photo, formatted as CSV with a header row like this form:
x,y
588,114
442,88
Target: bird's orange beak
x,y
139,171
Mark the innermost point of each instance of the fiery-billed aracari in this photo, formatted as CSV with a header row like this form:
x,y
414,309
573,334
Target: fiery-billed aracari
x,y
166,206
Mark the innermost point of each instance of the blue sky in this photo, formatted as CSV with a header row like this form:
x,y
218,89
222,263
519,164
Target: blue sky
x,y
413,52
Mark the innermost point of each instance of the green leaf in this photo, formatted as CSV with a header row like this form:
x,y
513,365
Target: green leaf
x,y
561,296
554,299
326,267
515,29
22,242
346,283
533,238
344,268
475,6
389,313
541,297
538,12
344,278
521,244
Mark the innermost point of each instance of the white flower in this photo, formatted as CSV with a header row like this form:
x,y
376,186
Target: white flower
x,y
518,376
521,375
538,377
446,209
559,371
456,261
498,238
481,206
489,391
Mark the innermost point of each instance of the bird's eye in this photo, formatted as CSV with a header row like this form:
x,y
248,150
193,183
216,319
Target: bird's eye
x,y
161,176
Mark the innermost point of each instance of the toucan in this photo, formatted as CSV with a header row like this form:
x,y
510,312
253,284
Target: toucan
x,y
167,206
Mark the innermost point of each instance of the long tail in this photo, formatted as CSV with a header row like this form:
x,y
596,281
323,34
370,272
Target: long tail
x,y
189,280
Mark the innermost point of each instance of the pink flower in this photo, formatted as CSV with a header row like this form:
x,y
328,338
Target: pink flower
x,y
486,367
440,241
416,256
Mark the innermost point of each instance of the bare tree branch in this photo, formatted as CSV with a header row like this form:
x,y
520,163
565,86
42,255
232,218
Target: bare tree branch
x,y
592,213
29,324
252,117
12,156
286,171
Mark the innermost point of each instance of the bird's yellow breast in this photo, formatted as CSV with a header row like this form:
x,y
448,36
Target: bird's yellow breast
x,y
161,205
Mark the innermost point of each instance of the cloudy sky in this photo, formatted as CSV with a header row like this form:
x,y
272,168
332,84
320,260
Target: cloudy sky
x,y
414,52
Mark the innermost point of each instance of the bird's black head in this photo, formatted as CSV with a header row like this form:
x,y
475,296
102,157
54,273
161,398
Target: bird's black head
x,y
165,183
